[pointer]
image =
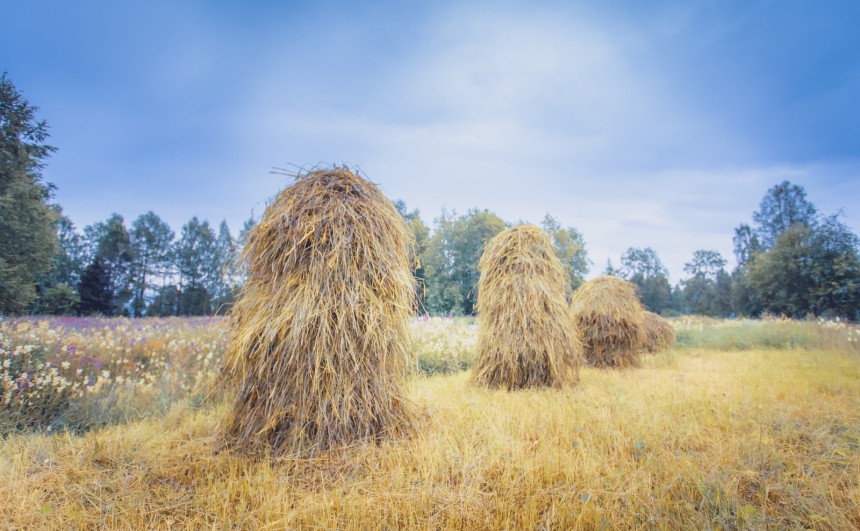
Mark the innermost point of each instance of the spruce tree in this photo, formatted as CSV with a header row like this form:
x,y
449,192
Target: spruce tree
x,y
28,238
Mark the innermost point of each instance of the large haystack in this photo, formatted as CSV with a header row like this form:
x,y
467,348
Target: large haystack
x,y
525,332
609,316
659,334
319,336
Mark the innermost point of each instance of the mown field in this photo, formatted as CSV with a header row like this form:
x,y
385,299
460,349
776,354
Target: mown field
x,y
741,424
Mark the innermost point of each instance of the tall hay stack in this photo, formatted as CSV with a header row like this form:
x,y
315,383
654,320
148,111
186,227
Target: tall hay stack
x,y
609,317
319,338
525,337
659,333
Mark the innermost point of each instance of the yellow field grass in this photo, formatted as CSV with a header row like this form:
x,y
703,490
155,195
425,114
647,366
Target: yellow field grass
x,y
694,439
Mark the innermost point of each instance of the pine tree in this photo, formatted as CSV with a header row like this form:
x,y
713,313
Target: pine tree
x,y
111,245
95,291
28,238
151,245
195,256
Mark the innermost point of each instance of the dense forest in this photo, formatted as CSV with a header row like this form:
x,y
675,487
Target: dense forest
x,y
791,259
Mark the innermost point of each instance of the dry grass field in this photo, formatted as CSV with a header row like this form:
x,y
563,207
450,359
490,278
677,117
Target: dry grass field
x,y
741,424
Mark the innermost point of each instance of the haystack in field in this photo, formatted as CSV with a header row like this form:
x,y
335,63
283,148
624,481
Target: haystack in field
x,y
659,334
609,316
319,337
525,332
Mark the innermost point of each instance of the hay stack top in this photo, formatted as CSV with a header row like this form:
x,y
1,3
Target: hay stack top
x,y
607,295
323,212
520,250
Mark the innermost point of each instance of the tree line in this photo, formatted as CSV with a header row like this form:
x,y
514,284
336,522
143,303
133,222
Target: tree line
x,y
143,269
791,260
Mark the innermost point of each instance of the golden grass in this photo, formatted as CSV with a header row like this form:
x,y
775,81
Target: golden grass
x,y
693,440
659,333
525,332
319,337
608,315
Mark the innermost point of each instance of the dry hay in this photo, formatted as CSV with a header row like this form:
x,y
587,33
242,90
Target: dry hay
x,y
525,333
319,337
659,334
609,317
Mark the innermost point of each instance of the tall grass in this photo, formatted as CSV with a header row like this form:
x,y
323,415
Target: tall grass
x,y
769,333
443,345
80,374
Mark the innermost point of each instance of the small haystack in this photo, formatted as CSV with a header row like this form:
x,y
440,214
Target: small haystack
x,y
609,316
319,336
525,332
659,333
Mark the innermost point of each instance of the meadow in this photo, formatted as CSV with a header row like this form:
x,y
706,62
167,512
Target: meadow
x,y
740,424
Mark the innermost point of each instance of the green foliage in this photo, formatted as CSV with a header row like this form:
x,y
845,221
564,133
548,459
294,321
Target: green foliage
x,y
708,290
705,264
421,233
783,206
95,295
452,256
61,299
570,247
27,236
644,268
165,302
810,270
224,277
743,299
746,244
611,270
110,243
151,246
795,262
197,265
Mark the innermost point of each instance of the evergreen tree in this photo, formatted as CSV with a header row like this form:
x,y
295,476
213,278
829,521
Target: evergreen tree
x,y
165,302
110,243
195,256
611,270
58,287
70,256
152,246
60,299
224,269
96,296
28,237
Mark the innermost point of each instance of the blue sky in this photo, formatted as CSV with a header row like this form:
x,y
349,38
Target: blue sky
x,y
655,124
